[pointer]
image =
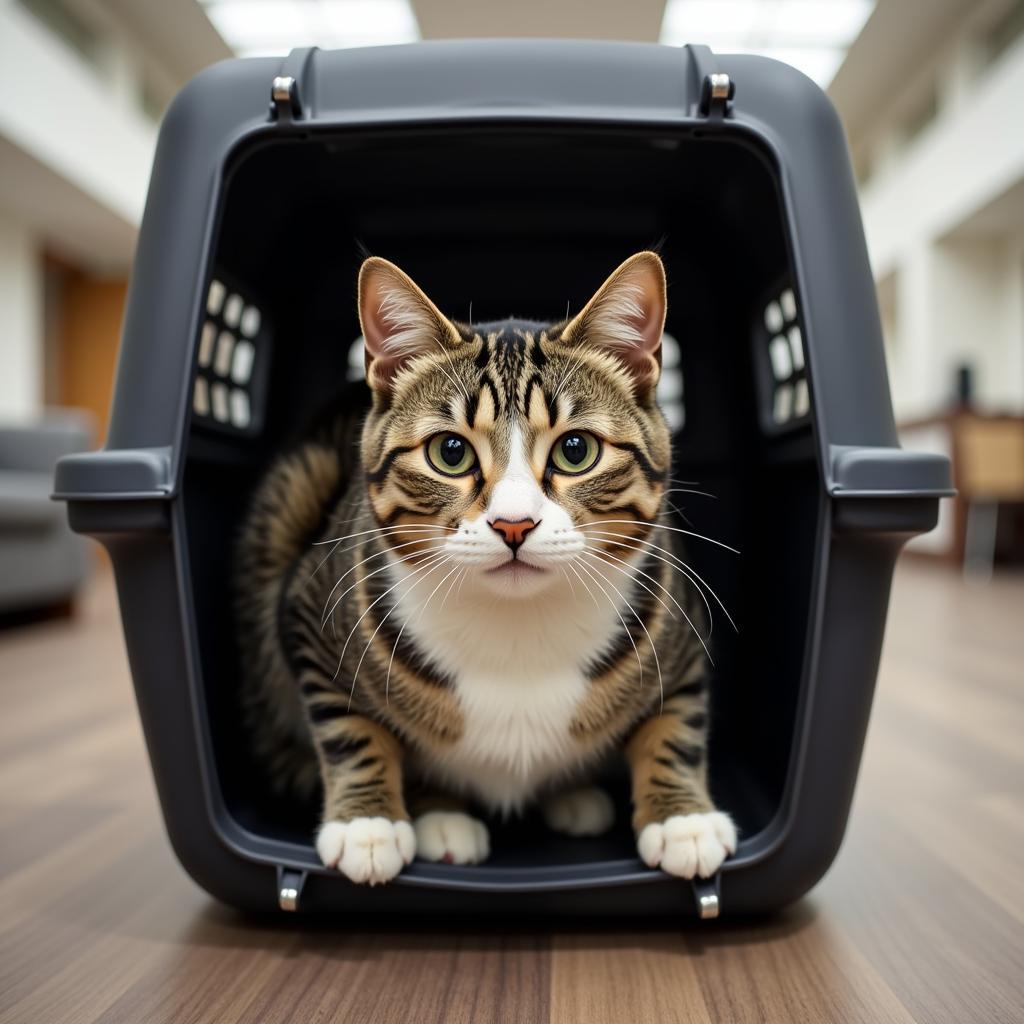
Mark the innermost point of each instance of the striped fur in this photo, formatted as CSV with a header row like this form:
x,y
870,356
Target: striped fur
x,y
394,651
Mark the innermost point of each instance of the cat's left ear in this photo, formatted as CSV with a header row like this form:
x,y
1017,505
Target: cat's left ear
x,y
399,322
626,317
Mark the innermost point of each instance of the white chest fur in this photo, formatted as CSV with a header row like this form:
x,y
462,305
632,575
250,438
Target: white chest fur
x,y
519,672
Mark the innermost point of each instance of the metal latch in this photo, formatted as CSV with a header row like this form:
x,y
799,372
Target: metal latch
x,y
291,92
707,894
716,93
289,888
284,98
714,89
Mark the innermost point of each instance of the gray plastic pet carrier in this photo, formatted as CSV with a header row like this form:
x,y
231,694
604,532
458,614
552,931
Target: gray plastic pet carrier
x,y
517,174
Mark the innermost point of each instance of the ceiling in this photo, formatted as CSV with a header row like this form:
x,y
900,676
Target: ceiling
x,y
184,39
887,53
635,20
813,35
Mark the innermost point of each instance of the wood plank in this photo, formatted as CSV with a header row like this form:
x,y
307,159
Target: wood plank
x,y
610,977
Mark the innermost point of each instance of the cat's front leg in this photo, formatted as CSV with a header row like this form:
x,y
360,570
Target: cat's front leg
x,y
365,831
677,826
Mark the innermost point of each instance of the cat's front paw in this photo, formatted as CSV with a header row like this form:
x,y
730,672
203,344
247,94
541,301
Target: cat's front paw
x,y
366,850
688,844
588,811
451,837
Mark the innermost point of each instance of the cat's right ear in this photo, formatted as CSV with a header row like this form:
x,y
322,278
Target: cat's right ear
x,y
399,322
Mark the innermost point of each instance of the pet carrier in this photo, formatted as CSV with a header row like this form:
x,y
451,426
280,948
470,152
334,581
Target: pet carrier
x,y
516,174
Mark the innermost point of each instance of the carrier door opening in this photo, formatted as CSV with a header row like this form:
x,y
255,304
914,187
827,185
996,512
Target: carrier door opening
x,y
527,221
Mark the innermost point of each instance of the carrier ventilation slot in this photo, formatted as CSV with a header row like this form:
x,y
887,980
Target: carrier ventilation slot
x,y
670,385
787,395
231,362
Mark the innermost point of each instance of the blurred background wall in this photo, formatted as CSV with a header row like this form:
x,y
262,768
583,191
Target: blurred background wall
x,y
77,136
931,93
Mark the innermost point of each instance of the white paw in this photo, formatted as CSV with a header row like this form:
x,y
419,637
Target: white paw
x,y
580,812
688,844
366,850
452,837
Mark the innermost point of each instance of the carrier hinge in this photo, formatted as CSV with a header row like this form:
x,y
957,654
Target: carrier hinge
x,y
716,93
284,98
289,888
714,89
707,892
290,91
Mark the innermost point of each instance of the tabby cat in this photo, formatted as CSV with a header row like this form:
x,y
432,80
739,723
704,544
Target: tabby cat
x,y
453,598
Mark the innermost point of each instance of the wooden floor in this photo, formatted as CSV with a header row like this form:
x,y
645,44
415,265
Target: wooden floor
x,y
921,919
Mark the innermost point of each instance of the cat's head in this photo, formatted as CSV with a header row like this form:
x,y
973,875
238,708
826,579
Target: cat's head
x,y
514,449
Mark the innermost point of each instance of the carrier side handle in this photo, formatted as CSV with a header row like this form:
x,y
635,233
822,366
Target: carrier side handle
x,y
889,473
887,490
117,491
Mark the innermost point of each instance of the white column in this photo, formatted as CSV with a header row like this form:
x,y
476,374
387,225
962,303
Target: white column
x,y
977,317
21,322
915,377
1011,393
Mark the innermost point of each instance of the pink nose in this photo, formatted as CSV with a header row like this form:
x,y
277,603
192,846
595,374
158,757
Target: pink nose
x,y
513,531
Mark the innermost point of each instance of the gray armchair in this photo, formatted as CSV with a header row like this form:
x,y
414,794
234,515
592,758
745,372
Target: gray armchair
x,y
41,561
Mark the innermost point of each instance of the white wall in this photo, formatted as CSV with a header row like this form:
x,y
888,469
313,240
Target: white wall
x,y
974,317
21,322
965,158
75,157
944,218
72,119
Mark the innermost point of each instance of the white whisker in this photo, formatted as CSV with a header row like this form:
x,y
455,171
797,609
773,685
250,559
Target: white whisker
x,y
689,621
654,650
585,587
364,514
690,490
629,570
362,579
341,657
572,589
677,510
570,371
458,385
684,567
659,526
384,530
448,593
419,612
636,650
376,554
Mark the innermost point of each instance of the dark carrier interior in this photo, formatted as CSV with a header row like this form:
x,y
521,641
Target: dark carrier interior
x,y
525,221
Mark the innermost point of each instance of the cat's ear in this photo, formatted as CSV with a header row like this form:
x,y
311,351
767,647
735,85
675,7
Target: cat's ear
x,y
626,317
399,322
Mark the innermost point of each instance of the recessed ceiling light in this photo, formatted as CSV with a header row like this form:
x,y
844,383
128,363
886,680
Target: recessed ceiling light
x,y
812,35
264,27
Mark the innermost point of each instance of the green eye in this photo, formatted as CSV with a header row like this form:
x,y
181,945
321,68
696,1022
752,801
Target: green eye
x,y
575,452
450,454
